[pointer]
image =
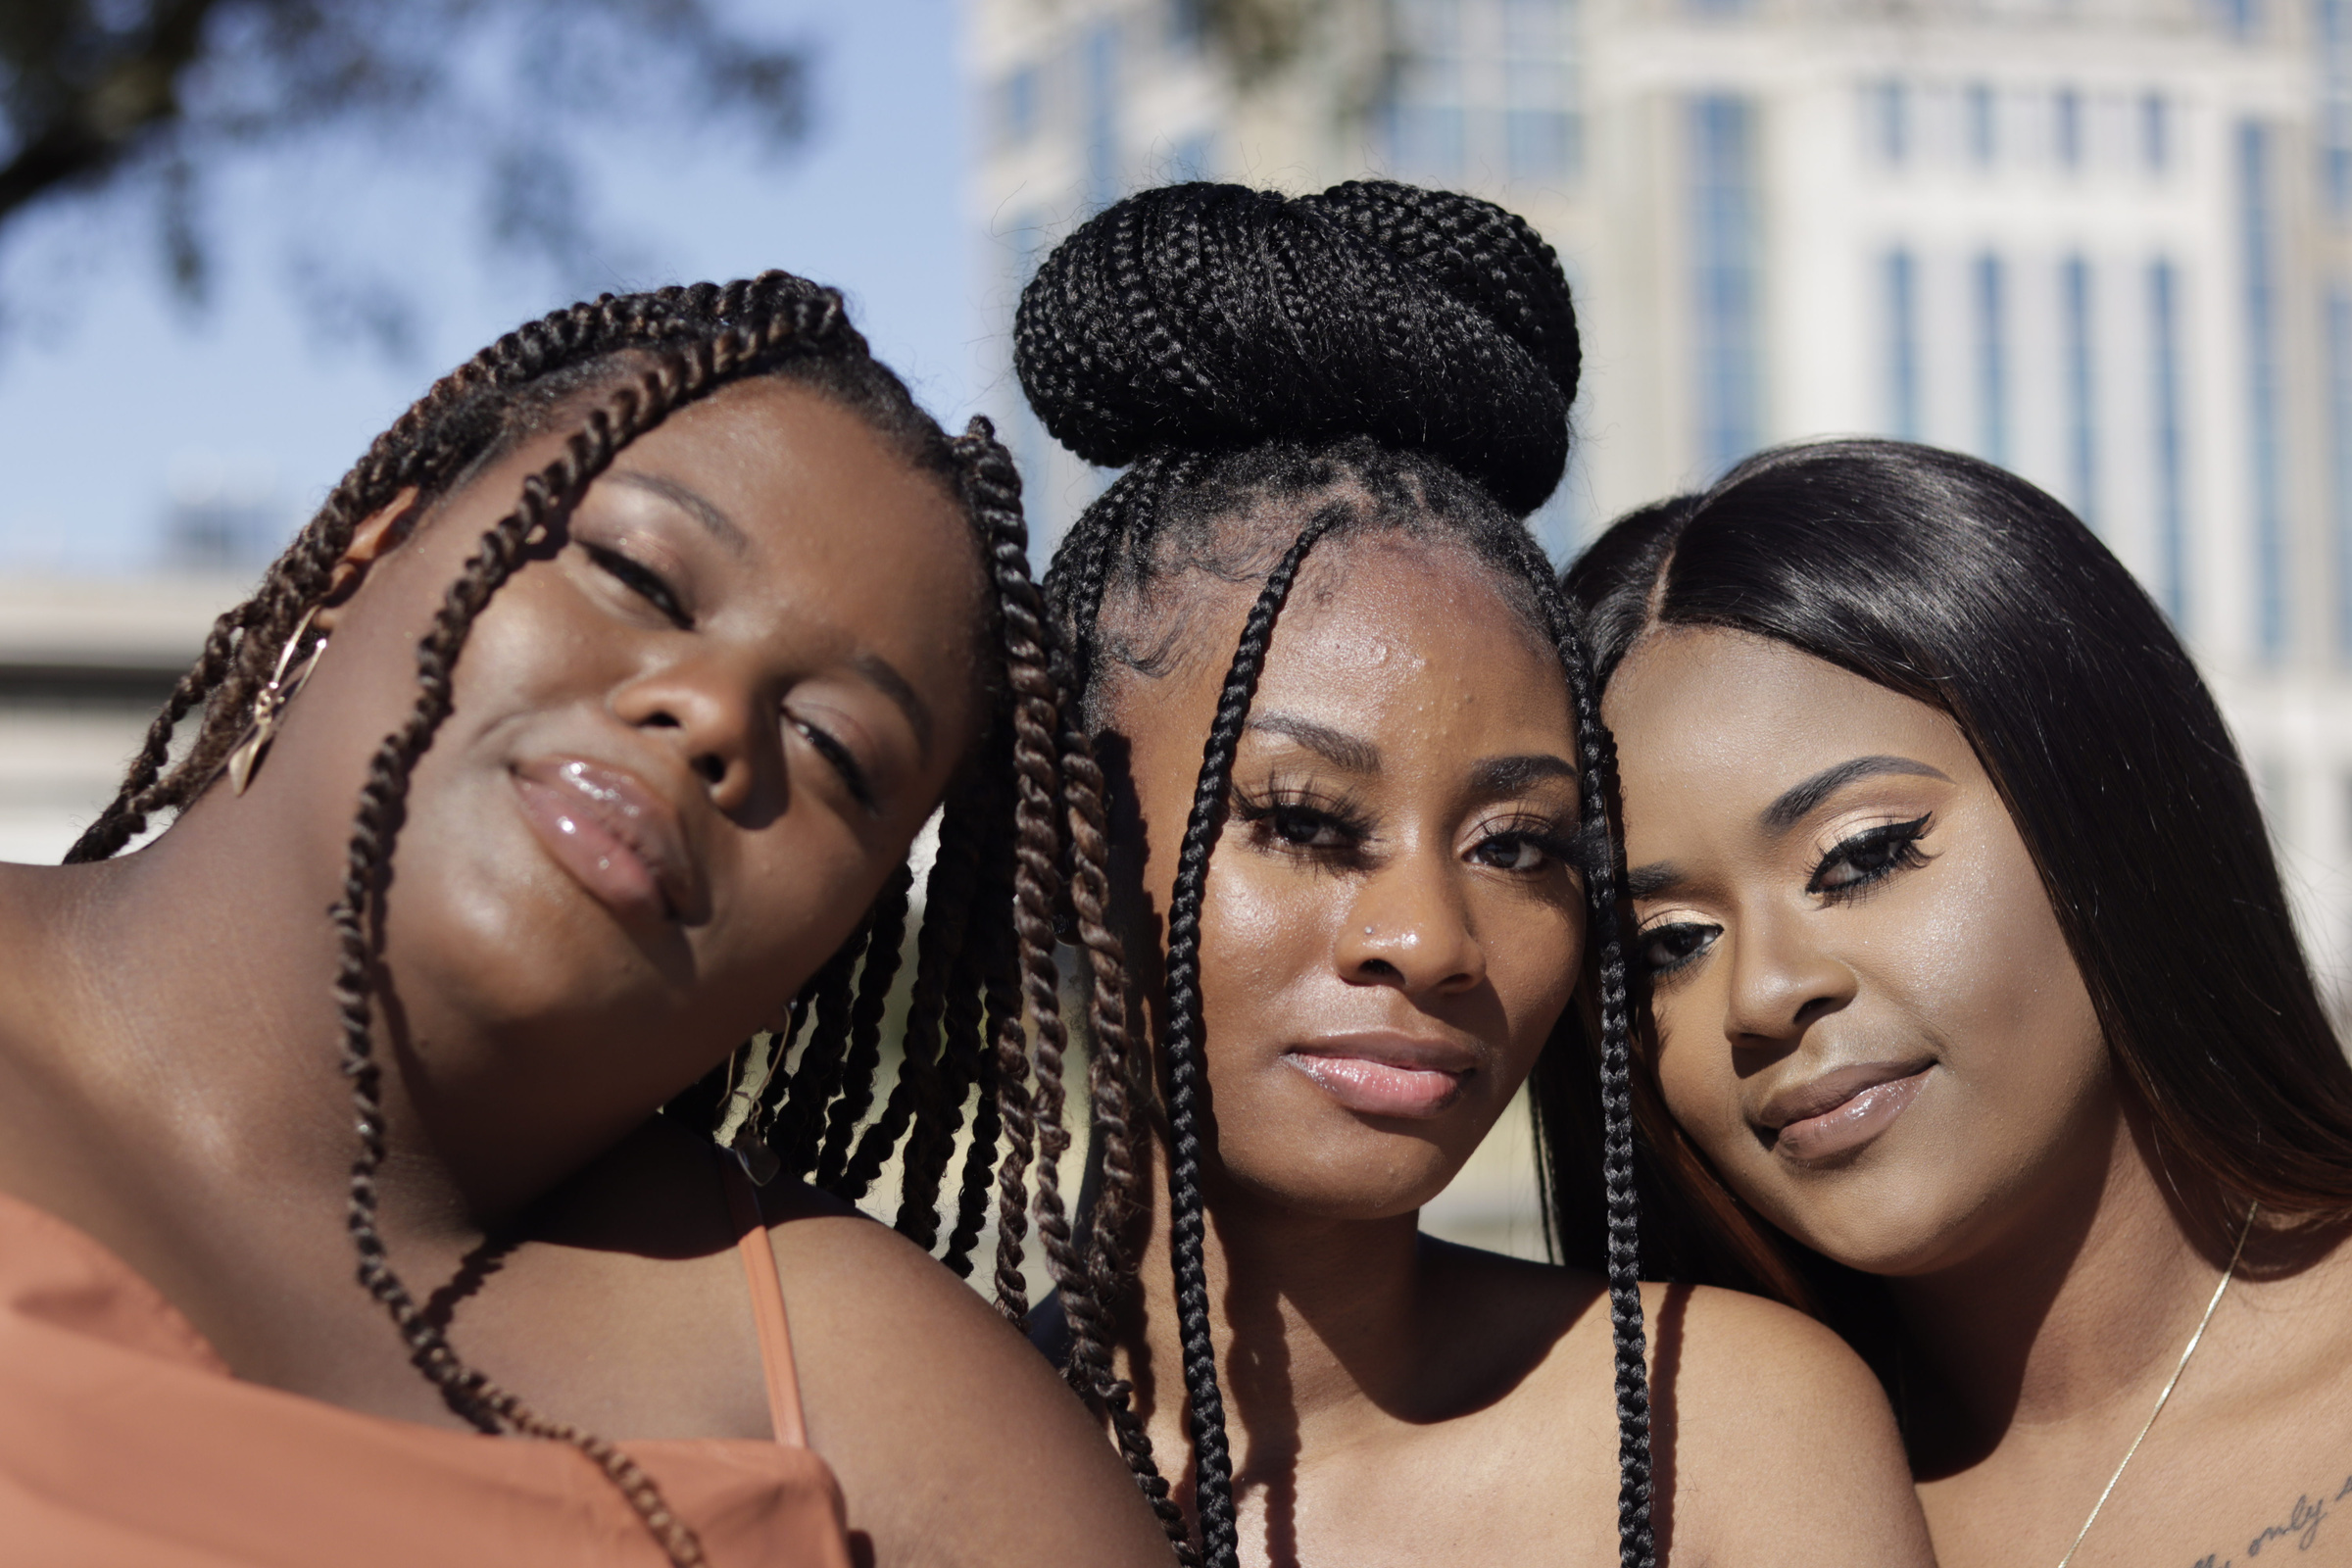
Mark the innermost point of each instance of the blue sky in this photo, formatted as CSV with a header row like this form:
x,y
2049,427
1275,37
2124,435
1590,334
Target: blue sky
x,y
108,387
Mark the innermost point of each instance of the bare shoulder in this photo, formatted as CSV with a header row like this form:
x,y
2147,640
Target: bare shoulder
x,y
952,1437
1776,1439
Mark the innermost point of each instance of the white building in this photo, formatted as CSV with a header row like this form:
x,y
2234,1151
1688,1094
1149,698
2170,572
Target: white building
x,y
84,663
2107,244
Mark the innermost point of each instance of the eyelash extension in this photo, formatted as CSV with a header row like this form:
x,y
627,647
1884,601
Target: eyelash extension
x,y
853,777
1659,971
1263,812
1564,849
1899,838
643,581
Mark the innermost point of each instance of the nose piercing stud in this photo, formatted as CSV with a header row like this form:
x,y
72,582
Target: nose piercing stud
x,y
1367,930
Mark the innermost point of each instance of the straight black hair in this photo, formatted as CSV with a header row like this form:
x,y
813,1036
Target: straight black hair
x,y
1964,587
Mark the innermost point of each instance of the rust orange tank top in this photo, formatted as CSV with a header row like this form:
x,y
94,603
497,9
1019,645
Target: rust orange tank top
x,y
124,1443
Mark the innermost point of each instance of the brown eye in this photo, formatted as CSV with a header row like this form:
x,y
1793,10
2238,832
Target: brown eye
x,y
1870,857
1664,948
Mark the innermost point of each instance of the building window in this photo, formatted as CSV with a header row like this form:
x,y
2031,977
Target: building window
x,y
2257,261
1483,88
1980,110
2339,422
1187,22
1990,289
2242,18
2155,132
2066,127
2335,104
2171,491
1425,118
1727,266
1901,270
1100,53
1890,111
2081,409
1538,130
1016,108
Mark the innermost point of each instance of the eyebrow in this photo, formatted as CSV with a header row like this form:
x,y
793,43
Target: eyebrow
x,y
1799,799
1648,881
1351,752
885,678
1513,775
691,502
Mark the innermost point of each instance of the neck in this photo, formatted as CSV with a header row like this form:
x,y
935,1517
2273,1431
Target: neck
x,y
1315,1320
2086,1299
179,998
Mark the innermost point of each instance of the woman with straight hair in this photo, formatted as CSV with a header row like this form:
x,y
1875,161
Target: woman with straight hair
x,y
645,643
1978,1010
1358,777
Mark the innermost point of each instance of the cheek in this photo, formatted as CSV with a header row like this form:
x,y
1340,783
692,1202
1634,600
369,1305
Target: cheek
x,y
1533,961
1264,930
1990,974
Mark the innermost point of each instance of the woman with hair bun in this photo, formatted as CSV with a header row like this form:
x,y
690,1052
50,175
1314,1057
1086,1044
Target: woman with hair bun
x,y
1978,1008
645,642
1357,778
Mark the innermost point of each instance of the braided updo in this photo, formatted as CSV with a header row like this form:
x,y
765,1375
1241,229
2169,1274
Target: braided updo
x,y
1274,371
1022,817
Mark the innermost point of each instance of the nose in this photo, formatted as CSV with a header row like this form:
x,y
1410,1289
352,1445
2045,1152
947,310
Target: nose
x,y
1781,981
1409,928
710,714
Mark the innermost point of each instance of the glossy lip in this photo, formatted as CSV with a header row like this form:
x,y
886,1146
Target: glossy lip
x,y
1384,1074
617,836
1840,1111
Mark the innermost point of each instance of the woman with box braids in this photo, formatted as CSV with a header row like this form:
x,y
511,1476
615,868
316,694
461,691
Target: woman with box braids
x,y
556,405
1335,412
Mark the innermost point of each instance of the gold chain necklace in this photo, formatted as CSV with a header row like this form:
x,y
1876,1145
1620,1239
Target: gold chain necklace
x,y
2171,1384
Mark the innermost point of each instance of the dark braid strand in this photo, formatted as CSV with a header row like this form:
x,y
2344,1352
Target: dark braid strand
x,y
1186,1070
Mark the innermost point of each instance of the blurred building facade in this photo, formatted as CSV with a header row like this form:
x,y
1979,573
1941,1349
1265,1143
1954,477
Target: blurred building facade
x,y
84,663
2106,243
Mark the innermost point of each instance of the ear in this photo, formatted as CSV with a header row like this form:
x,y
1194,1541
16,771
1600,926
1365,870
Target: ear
x,y
374,537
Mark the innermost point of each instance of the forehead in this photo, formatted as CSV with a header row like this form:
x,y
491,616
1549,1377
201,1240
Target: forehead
x,y
1382,633
1721,713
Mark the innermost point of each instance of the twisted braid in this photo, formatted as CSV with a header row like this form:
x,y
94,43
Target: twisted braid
x,y
944,1015
833,998
631,409
1008,1045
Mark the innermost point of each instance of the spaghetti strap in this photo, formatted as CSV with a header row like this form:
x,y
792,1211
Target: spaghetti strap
x,y
759,1255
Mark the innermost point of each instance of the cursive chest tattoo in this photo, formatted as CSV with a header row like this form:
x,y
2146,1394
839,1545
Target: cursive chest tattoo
x,y
2299,1527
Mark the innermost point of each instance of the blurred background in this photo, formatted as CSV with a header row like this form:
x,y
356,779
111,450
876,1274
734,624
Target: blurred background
x,y
2107,244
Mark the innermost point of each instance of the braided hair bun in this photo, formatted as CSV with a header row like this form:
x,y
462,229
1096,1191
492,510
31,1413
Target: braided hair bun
x,y
1207,318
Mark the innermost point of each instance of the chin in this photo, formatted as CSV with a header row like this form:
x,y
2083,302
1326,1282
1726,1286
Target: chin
x,y
1888,1228
517,945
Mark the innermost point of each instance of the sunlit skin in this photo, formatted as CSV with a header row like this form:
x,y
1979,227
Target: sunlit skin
x,y
1393,926
756,640
1869,1019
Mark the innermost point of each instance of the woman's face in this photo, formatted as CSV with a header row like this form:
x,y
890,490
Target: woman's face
x,y
689,744
1867,1015
1391,928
